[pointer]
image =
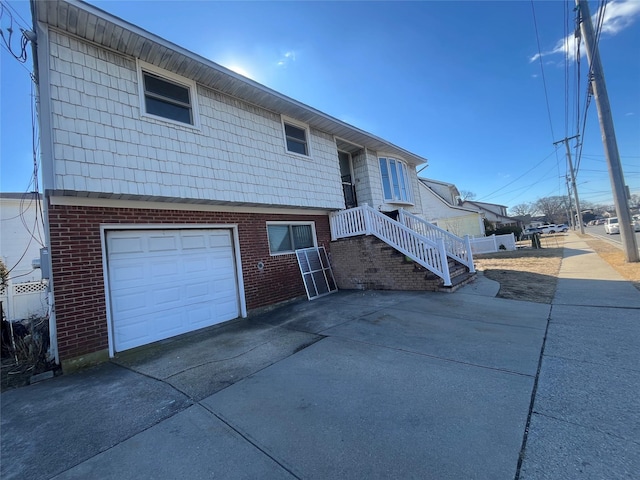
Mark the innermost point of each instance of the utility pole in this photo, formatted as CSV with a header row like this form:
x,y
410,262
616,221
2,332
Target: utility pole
x,y
572,222
629,244
573,181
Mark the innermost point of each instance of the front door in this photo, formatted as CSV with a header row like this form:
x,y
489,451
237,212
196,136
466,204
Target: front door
x,y
348,187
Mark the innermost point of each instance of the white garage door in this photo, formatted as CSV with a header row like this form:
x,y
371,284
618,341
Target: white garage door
x,y
167,282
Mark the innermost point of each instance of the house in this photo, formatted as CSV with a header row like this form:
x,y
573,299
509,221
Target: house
x,y
493,213
178,191
21,237
440,206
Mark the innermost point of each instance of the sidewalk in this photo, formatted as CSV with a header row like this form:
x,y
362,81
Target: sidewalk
x,y
360,385
586,415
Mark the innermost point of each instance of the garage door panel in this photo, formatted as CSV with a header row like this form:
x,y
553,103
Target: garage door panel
x,y
200,316
171,282
194,264
130,272
129,301
166,297
220,239
226,310
132,244
163,243
163,268
198,291
194,242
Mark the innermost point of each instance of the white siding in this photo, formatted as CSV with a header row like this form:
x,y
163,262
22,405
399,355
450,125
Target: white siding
x,y
457,221
369,184
17,247
102,144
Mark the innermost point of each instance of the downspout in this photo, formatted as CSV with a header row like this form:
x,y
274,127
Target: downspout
x,y
43,114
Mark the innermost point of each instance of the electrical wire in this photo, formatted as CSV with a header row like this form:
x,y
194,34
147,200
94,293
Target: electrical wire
x,y
544,80
589,93
518,178
21,56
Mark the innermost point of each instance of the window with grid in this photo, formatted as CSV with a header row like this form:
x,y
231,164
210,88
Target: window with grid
x,y
395,180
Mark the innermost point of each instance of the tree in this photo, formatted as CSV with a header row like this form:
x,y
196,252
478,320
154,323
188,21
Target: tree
x,y
467,195
523,209
634,201
554,208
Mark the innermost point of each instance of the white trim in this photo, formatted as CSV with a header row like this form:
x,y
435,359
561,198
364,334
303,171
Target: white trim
x,y
104,228
442,200
290,252
47,157
190,85
190,207
303,126
336,138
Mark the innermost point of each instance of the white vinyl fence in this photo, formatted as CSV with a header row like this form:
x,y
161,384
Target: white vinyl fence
x,y
493,243
24,300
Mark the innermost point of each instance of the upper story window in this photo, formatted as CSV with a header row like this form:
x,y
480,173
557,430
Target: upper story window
x,y
296,138
166,95
395,180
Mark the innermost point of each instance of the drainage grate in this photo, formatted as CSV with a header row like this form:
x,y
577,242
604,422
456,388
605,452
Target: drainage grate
x,y
316,272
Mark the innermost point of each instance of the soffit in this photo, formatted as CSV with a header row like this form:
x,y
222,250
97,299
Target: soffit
x,y
95,25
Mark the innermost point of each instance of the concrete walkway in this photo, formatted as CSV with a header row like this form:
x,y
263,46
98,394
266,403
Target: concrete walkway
x,y
585,422
359,385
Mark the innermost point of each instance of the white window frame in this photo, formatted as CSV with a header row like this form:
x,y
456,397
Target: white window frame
x,y
190,85
289,252
406,184
301,126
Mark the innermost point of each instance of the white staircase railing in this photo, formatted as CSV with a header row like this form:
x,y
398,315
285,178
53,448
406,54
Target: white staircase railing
x,y
364,220
457,248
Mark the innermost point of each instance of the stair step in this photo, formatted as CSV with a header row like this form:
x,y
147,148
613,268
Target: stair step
x,y
458,282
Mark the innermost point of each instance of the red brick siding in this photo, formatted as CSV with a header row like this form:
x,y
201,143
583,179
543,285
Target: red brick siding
x,y
76,257
366,263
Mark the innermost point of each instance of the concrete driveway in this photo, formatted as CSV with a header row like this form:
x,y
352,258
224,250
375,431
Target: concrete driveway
x,y
352,385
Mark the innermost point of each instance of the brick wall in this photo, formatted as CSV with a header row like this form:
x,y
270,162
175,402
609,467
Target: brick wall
x,y
367,263
76,256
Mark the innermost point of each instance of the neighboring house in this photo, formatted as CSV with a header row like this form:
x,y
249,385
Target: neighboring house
x,y
494,213
21,237
440,206
177,190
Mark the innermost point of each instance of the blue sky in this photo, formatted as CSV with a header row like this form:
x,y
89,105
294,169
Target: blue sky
x,y
459,83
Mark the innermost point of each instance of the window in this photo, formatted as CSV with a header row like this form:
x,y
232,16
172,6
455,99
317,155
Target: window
x,y
166,95
287,237
395,180
296,139
166,99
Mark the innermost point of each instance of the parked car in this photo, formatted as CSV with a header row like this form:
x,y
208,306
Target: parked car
x,y
611,225
553,228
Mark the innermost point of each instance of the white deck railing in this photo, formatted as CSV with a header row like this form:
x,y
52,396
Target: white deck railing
x,y
457,248
364,220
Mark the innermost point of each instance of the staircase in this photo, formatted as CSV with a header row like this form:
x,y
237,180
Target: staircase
x,y
444,256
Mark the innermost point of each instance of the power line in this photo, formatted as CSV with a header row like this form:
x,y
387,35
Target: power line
x,y
21,56
518,178
25,24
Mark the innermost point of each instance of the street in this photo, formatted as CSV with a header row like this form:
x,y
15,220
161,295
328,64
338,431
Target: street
x,y
598,231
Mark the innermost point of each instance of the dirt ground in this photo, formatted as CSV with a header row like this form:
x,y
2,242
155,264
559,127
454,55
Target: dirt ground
x,y
529,275
532,274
